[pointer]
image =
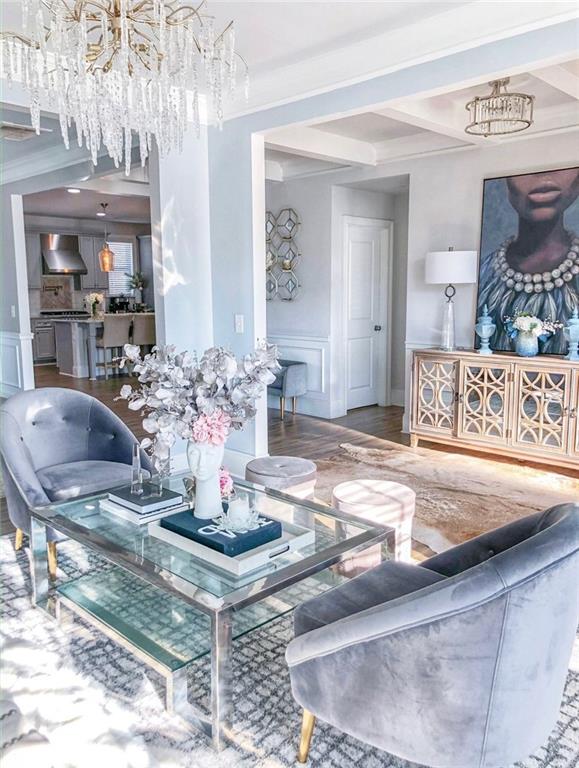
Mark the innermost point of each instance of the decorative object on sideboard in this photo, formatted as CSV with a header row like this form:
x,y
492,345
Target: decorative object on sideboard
x,y
282,254
500,112
106,256
122,66
529,251
526,331
449,268
484,330
198,400
571,332
94,303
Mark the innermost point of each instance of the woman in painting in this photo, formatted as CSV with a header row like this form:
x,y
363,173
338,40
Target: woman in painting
x,y
536,270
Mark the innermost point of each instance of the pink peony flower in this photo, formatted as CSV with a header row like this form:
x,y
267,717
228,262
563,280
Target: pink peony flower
x,y
225,483
212,428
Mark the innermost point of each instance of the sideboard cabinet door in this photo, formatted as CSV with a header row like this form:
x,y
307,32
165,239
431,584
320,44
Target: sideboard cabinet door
x,y
484,401
434,394
574,418
542,413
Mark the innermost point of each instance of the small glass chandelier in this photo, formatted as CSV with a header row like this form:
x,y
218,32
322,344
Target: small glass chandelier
x,y
106,256
117,66
500,112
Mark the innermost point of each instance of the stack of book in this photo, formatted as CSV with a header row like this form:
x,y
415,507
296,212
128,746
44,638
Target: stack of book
x,y
146,507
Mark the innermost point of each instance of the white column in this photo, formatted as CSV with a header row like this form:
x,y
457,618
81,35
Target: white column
x,y
181,245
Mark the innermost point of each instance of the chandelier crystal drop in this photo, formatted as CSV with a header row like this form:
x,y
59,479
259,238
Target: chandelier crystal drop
x,y
500,112
114,67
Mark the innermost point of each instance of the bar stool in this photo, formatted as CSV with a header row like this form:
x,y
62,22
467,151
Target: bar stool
x,y
144,330
116,333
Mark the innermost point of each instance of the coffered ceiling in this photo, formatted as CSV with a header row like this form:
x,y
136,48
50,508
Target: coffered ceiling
x,y
423,125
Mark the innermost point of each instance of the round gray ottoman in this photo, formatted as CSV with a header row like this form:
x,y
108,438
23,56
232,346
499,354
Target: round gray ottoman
x,y
289,474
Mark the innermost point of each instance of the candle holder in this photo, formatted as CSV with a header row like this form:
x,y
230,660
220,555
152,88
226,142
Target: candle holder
x,y
571,332
485,328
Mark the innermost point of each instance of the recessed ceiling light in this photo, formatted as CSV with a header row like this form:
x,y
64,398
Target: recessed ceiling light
x,y
73,191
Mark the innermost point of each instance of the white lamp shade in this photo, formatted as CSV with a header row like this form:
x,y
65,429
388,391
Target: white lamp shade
x,y
451,267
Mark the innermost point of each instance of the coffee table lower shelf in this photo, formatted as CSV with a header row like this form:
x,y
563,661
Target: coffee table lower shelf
x,y
163,631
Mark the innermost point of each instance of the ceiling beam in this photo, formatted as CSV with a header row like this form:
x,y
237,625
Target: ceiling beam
x,y
560,78
311,142
443,120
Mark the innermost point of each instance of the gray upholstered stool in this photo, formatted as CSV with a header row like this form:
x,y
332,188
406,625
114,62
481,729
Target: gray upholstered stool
x,y
284,473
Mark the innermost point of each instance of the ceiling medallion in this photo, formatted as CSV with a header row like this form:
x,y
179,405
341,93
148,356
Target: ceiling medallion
x,y
117,66
500,112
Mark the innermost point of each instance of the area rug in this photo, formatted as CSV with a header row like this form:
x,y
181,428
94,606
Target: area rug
x,y
457,497
96,704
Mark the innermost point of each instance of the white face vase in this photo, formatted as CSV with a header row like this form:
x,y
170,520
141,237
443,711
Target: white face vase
x,y
205,459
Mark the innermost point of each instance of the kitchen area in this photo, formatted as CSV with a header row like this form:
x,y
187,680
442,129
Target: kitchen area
x,y
90,281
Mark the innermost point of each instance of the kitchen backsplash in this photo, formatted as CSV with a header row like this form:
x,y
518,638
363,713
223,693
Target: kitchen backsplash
x,y
56,292
36,305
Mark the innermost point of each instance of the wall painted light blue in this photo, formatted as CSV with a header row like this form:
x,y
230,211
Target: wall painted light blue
x,y
230,162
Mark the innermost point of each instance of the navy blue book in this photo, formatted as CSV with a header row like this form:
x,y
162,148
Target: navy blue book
x,y
228,543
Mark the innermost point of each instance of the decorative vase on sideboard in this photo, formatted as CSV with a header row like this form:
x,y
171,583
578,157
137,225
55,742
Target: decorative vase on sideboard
x,y
205,461
526,344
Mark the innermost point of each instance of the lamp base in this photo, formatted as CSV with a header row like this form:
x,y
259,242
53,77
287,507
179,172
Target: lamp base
x,y
448,333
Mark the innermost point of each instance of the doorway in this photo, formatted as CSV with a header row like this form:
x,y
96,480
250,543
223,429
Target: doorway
x,y
367,267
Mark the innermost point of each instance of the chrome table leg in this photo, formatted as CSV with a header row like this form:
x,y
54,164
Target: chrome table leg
x,y
39,564
221,628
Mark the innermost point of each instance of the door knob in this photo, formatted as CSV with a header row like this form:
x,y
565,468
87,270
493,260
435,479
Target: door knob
x,y
377,327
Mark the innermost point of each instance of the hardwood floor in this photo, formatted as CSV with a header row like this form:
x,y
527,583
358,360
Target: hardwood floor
x,y
298,435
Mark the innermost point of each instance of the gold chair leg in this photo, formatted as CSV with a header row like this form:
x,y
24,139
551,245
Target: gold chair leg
x,y
52,559
19,541
308,723
282,408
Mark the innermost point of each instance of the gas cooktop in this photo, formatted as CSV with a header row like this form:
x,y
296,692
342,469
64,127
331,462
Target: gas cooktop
x,y
64,312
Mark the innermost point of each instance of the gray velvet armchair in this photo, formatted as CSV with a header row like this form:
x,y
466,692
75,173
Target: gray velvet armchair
x,y
291,381
56,444
458,662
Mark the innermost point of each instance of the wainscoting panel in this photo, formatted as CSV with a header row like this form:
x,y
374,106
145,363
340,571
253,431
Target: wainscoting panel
x,y
13,374
315,352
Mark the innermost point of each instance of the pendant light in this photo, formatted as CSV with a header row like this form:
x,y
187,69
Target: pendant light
x,y
106,256
501,112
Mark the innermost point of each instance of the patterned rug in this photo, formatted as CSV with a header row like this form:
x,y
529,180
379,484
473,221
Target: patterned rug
x,y
98,706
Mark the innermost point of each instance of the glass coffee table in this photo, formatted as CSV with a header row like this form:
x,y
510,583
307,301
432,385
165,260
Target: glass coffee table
x,y
170,607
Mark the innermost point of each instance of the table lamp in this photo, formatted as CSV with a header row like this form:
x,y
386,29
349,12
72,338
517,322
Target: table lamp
x,y
449,268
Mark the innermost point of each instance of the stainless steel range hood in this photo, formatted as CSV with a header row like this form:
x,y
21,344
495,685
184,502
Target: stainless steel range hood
x,y
61,255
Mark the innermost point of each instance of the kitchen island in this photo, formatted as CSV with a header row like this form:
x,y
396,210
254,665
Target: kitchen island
x,y
76,346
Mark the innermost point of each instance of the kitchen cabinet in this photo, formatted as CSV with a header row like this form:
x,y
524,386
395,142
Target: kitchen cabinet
x,y
95,279
44,343
33,260
522,407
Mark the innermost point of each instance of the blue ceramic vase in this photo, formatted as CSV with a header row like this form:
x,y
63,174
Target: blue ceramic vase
x,y
526,344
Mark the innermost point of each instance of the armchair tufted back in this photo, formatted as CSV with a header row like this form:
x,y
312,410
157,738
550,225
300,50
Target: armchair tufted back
x,y
58,426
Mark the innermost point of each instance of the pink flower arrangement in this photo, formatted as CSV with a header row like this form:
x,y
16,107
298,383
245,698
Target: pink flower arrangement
x,y
225,483
211,428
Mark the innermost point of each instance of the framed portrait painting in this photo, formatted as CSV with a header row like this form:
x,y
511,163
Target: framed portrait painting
x,y
529,253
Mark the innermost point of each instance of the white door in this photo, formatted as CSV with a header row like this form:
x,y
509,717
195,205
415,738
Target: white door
x,y
366,276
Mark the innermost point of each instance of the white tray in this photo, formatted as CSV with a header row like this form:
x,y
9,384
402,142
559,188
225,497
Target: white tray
x,y
293,537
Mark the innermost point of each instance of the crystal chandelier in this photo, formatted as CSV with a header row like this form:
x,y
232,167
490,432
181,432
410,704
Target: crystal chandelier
x,y
117,66
500,112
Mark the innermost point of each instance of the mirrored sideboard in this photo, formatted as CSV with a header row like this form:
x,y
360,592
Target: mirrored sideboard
x,y
521,407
